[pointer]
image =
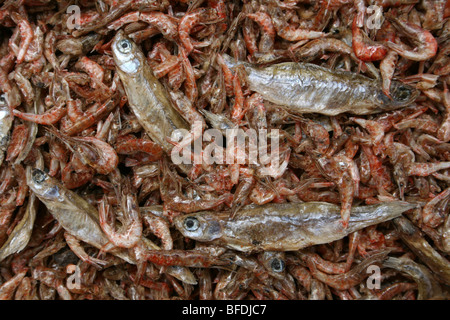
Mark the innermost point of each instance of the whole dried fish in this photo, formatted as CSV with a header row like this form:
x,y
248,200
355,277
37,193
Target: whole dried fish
x,y
73,213
147,97
309,88
285,226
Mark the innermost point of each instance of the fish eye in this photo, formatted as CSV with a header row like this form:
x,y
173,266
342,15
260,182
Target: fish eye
x,y
277,265
191,223
38,175
124,46
403,93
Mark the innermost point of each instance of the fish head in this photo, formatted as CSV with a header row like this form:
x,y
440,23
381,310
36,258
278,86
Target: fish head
x,y
199,226
43,185
401,95
274,263
127,55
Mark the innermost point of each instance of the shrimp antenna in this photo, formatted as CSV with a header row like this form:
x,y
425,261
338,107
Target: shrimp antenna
x,y
65,139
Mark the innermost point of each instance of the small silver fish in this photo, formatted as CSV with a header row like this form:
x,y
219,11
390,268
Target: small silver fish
x,y
309,88
283,226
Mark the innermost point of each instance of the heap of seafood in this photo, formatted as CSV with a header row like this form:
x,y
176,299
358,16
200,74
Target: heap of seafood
x,y
98,100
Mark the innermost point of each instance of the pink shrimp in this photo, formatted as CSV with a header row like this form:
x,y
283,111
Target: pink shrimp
x,y
189,84
443,132
27,34
160,228
19,138
432,215
166,24
364,51
50,117
387,69
130,145
191,19
8,288
426,43
129,237
76,248
268,36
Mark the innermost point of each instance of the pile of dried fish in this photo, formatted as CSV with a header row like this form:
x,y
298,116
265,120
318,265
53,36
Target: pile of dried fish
x,y
123,176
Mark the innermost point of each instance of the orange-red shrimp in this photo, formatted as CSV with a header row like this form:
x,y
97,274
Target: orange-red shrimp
x,y
11,91
343,171
19,138
191,19
289,31
75,246
227,75
166,24
130,145
49,49
364,51
132,223
238,110
376,131
243,189
443,132
249,34
432,214
160,228
8,288
318,134
427,125
27,34
86,119
94,70
391,291
190,82
22,191
75,174
187,258
268,35
50,117
426,44
387,69
324,265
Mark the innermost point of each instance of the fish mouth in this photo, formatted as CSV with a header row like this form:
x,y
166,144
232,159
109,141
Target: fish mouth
x,y
38,175
401,95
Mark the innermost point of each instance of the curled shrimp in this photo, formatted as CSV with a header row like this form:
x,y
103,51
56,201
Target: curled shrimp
x,y
191,19
364,51
94,152
132,223
27,34
268,36
426,44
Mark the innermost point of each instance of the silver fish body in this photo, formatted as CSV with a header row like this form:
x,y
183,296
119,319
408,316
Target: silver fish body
x,y
147,97
309,88
283,227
